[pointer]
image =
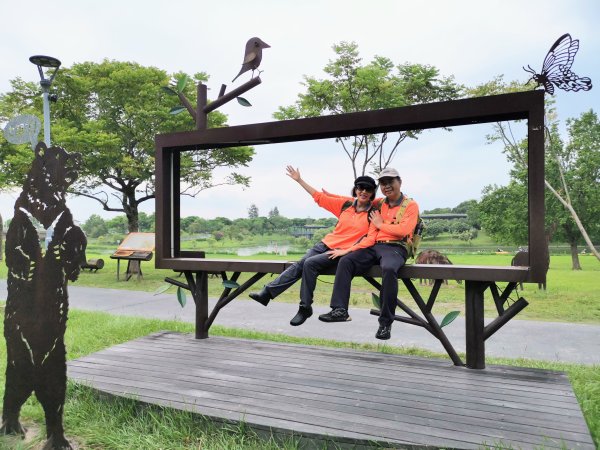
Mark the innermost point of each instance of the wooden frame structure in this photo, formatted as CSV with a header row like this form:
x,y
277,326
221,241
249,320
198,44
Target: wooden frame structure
x,y
516,106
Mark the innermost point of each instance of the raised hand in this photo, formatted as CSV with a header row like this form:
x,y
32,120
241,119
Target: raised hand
x,y
294,174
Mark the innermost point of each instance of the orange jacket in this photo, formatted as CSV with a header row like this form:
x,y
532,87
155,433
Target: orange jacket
x,y
391,230
352,226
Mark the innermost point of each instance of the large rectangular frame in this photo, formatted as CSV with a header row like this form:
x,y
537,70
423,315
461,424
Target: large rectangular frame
x,y
516,106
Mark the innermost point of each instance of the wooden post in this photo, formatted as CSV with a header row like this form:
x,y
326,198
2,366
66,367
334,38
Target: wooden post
x,y
475,342
201,122
201,305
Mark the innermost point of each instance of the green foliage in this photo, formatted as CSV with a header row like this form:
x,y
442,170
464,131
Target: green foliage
x,y
449,318
376,300
110,112
242,101
230,284
181,297
351,86
95,226
504,213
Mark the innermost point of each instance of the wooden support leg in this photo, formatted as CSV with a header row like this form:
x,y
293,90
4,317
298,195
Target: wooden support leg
x,y
475,342
199,290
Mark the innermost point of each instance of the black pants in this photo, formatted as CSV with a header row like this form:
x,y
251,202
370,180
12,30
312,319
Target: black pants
x,y
390,258
312,264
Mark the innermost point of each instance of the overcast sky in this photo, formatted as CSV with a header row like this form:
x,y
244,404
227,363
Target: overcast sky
x,y
472,40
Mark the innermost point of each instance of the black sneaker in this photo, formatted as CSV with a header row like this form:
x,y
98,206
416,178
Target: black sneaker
x,y
303,313
335,315
384,332
263,297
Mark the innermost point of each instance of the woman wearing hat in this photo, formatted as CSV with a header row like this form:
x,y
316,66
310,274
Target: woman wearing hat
x,y
353,224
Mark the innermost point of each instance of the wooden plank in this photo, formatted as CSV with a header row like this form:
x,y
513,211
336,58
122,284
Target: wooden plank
x,y
327,392
460,379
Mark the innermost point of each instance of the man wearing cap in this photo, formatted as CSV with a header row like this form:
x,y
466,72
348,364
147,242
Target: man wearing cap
x,y
352,227
389,250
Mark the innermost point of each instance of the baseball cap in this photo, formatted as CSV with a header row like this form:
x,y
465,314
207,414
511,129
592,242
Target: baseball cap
x,y
388,172
365,181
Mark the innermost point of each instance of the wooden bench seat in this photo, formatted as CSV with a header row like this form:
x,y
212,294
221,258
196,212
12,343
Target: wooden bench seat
x,y
477,279
425,271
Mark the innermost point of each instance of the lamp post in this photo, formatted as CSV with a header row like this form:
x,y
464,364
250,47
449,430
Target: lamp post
x,y
48,62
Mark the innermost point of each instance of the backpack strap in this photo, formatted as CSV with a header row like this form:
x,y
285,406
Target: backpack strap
x,y
347,204
402,210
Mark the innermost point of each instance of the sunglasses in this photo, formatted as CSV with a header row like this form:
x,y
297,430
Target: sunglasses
x,y
364,187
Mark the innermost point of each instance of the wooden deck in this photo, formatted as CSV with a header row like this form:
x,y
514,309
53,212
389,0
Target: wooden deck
x,y
346,396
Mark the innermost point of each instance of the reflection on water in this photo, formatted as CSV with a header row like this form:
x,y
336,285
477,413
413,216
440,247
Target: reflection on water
x,y
276,249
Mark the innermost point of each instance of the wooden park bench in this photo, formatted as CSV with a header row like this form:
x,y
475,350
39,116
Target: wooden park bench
x,y
478,279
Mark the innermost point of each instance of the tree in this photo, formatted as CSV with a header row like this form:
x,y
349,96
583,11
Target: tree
x,y
274,212
110,113
95,226
252,211
433,228
504,213
471,209
352,87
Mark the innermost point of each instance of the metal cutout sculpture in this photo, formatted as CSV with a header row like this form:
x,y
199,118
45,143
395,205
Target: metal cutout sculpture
x,y
556,68
37,304
252,56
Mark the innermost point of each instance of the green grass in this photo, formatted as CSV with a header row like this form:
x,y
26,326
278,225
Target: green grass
x,y
571,296
95,422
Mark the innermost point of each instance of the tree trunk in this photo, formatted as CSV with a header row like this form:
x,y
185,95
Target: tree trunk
x,y
575,256
133,223
130,206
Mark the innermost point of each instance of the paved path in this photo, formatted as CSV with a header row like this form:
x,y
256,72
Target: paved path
x,y
551,341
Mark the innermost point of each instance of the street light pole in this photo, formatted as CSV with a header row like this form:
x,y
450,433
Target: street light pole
x,y
45,84
46,61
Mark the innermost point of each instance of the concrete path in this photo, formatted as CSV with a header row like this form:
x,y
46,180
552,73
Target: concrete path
x,y
551,341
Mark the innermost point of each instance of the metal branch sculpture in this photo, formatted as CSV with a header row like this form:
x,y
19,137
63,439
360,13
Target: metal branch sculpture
x,y
37,304
556,69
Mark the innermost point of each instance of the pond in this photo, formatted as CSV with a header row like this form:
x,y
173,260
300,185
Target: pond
x,y
276,249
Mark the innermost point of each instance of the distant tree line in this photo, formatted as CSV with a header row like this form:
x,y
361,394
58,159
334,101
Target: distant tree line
x,y
218,228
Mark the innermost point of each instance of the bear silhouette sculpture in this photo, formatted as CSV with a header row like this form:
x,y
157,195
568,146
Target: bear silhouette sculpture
x,y
37,303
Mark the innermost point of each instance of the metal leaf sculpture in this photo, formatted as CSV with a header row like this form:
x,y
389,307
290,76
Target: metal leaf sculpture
x,y
37,302
556,69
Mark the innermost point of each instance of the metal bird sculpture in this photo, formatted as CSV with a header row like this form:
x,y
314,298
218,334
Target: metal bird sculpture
x,y
253,55
557,68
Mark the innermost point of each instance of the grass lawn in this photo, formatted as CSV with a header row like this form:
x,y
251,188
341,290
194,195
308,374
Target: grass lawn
x,y
571,296
94,422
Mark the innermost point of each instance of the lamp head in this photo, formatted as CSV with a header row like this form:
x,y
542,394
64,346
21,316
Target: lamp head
x,y
48,62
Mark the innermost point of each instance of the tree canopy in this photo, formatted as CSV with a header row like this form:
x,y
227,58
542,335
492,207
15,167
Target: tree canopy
x,y
110,112
351,86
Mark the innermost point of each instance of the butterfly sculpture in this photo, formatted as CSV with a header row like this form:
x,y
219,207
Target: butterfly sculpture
x,y
556,69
